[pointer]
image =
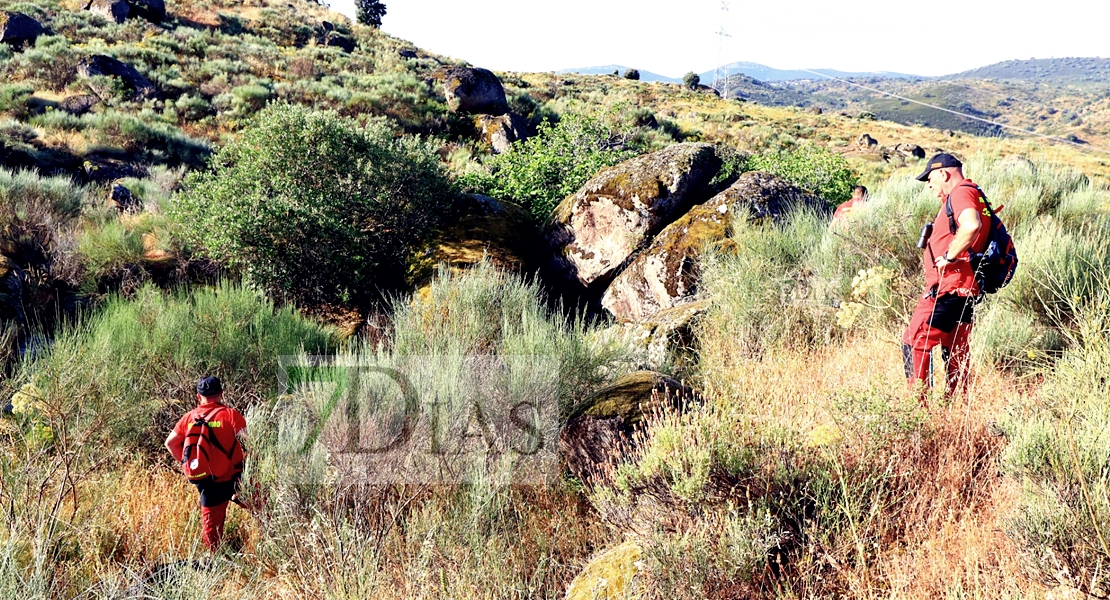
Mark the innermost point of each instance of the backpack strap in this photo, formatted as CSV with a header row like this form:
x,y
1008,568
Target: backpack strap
x,y
215,440
950,213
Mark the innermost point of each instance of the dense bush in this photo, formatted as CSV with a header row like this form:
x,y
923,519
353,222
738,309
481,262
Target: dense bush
x,y
542,170
146,353
691,80
315,207
812,167
1060,453
632,74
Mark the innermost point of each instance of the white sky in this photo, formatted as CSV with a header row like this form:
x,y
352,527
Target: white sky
x,y
671,38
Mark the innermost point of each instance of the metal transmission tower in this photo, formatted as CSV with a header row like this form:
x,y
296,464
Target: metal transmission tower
x,y
722,34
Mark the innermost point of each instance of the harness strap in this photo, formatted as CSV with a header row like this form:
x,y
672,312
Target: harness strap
x,y
212,437
950,213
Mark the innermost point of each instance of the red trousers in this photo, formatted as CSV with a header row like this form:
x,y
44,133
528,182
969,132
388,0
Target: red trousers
x,y
212,524
944,320
214,497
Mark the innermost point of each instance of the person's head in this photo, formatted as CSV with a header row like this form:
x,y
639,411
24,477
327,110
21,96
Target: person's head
x,y
209,389
859,193
943,173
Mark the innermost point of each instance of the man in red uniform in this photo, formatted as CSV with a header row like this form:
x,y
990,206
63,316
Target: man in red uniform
x,y
944,314
859,198
227,425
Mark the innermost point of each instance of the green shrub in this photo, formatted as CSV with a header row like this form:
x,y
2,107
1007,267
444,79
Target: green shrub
x,y
760,288
691,80
315,207
632,74
541,171
127,372
249,99
1059,452
814,168
13,97
109,248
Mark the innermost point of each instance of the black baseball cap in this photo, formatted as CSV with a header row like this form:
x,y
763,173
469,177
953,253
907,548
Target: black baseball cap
x,y
940,161
209,386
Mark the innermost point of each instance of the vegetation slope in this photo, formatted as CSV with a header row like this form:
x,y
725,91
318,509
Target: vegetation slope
x,y
808,471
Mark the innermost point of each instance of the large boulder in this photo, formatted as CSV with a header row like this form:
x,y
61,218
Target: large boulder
x,y
481,228
113,10
602,428
912,151
78,104
474,91
98,64
18,29
500,132
151,10
594,231
665,274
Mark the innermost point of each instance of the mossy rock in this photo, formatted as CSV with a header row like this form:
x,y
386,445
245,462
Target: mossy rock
x,y
632,396
472,90
480,228
602,428
594,231
610,575
665,274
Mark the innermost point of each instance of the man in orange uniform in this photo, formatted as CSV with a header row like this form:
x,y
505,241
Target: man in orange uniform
x,y
944,314
226,425
859,198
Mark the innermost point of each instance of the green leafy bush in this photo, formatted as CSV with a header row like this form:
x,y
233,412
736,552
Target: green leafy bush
x,y
146,354
812,167
315,207
542,170
691,80
632,74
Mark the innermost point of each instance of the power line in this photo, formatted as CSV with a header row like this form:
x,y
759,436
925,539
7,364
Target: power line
x,y
722,34
958,113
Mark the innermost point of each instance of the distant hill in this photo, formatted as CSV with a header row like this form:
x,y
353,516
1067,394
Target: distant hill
x,y
608,70
1044,70
768,74
753,70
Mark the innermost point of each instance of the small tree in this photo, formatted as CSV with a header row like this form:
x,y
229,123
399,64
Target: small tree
x,y
315,207
632,74
691,80
369,12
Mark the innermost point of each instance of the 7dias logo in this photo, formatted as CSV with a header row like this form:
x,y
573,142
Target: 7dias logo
x,y
424,419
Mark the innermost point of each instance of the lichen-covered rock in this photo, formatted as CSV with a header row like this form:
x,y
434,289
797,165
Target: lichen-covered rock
x,y
665,274
910,150
151,10
610,575
79,104
594,231
113,10
500,132
18,29
602,427
474,91
98,64
481,228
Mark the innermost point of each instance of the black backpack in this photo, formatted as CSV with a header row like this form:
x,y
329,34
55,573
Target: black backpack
x,y
995,265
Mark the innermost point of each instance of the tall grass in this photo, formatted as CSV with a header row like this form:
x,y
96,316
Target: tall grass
x,y
126,370
485,538
1060,453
